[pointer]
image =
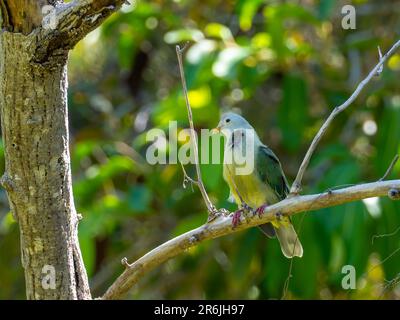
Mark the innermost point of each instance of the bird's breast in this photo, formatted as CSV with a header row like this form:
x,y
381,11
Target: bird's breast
x,y
248,188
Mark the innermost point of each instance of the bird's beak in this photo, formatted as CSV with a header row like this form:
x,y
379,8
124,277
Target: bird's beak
x,y
216,130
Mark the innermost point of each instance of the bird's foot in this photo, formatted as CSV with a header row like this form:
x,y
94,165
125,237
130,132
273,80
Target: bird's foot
x,y
260,210
244,206
224,212
236,217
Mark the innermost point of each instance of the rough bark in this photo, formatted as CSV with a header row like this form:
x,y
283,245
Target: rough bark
x,y
34,116
34,120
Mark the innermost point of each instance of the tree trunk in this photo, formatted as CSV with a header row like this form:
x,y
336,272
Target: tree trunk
x,y
34,122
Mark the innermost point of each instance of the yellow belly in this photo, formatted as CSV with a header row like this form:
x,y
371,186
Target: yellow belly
x,y
248,188
251,190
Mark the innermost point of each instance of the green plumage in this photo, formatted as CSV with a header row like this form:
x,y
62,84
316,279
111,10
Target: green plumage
x,y
270,171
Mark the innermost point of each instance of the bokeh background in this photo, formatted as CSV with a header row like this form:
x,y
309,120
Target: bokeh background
x,y
284,65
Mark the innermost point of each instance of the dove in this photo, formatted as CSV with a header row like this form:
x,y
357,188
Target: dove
x,y
263,185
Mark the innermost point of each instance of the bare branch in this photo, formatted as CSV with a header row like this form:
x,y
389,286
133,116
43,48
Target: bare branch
x,y
124,262
187,179
286,286
384,235
296,187
74,21
212,211
223,226
390,168
380,69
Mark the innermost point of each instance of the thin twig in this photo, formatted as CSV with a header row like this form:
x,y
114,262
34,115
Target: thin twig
x,y
330,190
296,187
187,179
290,275
223,226
379,71
298,233
288,207
390,168
212,211
384,235
297,184
382,262
390,284
287,281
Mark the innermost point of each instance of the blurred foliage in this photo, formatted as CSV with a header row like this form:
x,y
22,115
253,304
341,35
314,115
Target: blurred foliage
x,y
284,66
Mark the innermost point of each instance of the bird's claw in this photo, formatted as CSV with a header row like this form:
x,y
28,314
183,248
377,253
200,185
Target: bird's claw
x,y
260,210
279,216
244,206
224,212
236,217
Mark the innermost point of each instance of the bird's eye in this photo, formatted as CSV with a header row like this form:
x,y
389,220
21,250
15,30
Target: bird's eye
x,y
228,120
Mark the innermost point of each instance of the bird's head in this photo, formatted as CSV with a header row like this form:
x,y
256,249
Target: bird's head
x,y
230,122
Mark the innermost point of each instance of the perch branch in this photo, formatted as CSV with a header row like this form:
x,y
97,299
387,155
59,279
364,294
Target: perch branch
x,y
212,211
223,226
296,186
74,21
290,206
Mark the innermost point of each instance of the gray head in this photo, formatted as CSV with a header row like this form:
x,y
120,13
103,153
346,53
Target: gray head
x,y
232,121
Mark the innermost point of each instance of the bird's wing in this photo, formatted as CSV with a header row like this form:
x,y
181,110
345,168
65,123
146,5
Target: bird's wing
x,y
270,171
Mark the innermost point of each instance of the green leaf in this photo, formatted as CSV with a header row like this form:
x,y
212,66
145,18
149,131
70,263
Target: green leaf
x,y
388,246
139,198
219,31
276,270
276,15
303,284
325,8
245,252
293,112
247,9
88,249
388,137
97,175
182,35
357,243
188,224
227,60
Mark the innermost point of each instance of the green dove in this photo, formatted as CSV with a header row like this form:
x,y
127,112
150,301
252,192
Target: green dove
x,y
263,185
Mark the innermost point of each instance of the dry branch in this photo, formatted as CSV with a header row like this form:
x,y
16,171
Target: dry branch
x,y
296,186
290,206
74,21
223,226
212,211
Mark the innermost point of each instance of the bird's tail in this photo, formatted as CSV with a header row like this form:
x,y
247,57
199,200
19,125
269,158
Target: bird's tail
x,y
290,242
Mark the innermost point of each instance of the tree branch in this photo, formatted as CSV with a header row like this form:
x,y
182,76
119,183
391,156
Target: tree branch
x,y
288,207
22,16
212,211
223,226
73,21
296,186
390,168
